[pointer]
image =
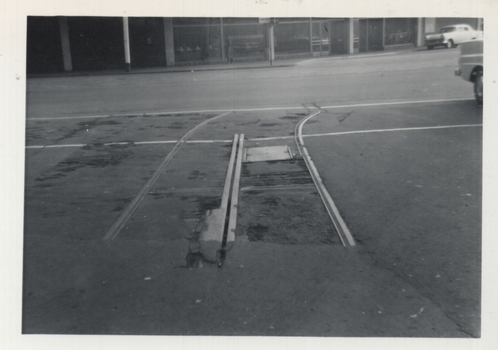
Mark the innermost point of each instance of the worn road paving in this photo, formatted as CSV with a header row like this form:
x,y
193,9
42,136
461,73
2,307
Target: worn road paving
x,y
287,274
410,191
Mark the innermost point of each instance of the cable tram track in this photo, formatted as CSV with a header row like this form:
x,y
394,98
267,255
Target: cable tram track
x,y
114,230
218,229
341,227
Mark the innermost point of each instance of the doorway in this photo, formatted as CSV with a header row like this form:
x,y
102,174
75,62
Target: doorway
x,y
338,35
371,35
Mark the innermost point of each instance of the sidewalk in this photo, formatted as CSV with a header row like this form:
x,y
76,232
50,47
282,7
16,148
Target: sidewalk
x,y
278,63
176,69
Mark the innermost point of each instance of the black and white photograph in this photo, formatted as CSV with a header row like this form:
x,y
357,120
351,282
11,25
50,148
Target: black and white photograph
x,y
250,174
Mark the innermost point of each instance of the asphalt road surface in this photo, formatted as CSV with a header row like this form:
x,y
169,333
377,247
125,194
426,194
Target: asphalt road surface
x,y
397,143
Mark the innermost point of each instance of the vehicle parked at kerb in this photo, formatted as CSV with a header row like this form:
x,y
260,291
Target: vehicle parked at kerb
x,y
451,36
470,65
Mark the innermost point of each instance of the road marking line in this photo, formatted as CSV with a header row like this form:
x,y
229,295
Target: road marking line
x,y
395,129
209,141
80,117
154,142
58,146
262,138
271,138
138,143
118,143
130,209
396,103
252,109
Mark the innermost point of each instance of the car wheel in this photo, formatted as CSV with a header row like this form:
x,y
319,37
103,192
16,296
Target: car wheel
x,y
478,90
449,44
430,47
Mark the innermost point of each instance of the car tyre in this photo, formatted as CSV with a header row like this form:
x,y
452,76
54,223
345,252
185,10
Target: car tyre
x,y
449,44
478,87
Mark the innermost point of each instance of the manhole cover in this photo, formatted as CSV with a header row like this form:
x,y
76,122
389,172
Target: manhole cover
x,y
264,154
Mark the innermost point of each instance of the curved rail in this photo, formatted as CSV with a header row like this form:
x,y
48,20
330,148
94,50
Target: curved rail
x,y
340,226
137,200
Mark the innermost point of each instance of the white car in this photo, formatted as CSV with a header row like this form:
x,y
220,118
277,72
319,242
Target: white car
x,y
470,66
451,36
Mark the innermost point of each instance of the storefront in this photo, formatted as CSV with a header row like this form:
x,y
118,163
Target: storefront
x,y
400,31
244,39
57,44
197,39
376,34
292,36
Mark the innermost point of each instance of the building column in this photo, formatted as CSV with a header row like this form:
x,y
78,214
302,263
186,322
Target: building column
x,y
271,43
126,38
350,34
367,38
311,36
420,32
330,37
66,48
169,41
222,41
383,33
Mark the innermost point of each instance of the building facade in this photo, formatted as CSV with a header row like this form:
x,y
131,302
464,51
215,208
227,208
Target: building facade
x,y
65,44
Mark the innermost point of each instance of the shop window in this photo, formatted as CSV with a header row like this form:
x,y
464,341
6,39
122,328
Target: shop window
x,y
147,42
190,44
197,43
96,42
399,31
245,40
292,37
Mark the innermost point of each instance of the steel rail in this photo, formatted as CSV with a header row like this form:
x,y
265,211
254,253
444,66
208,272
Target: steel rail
x,y
339,224
137,200
234,202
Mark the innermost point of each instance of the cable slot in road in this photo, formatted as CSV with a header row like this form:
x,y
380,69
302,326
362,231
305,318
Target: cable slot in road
x,y
218,233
